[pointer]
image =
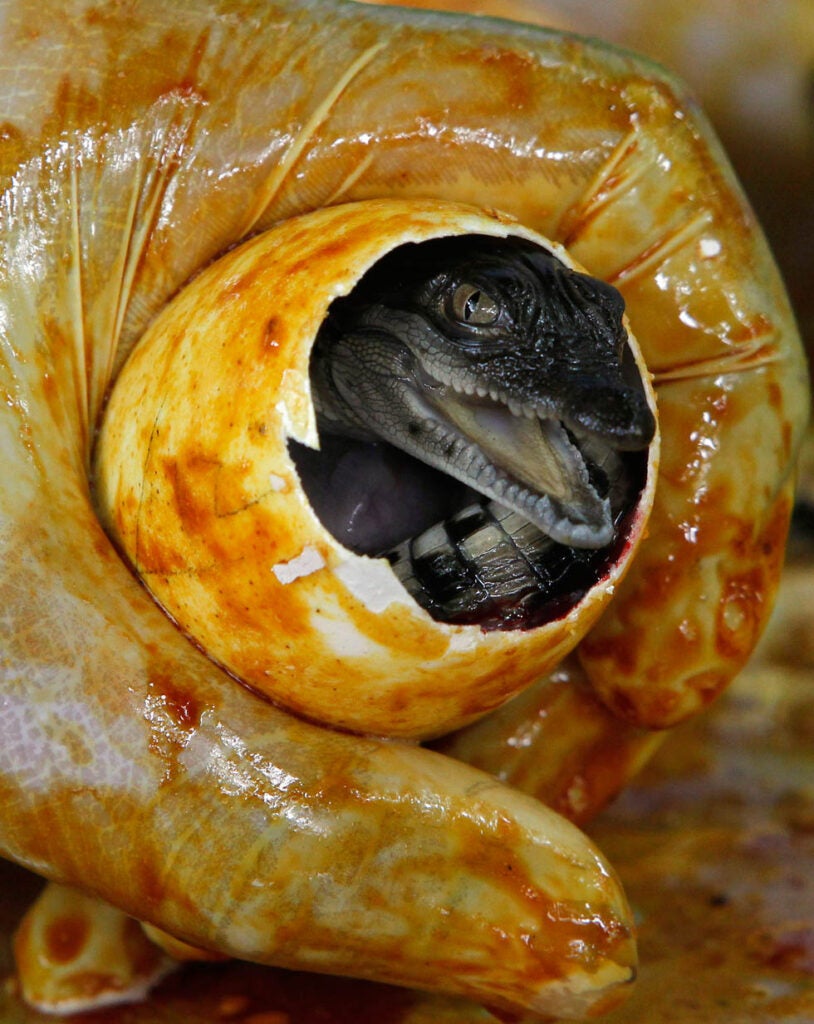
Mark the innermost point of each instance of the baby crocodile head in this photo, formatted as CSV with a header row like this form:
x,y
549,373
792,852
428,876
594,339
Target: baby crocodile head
x,y
510,376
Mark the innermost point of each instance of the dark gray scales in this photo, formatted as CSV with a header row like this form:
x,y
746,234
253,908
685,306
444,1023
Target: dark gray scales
x,y
483,426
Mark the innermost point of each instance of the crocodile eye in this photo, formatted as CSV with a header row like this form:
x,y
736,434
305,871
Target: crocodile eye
x,y
471,305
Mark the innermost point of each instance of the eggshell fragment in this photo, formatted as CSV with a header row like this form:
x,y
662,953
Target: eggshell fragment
x,y
74,953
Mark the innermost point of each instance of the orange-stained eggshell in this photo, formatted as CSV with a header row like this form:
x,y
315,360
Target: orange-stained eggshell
x,y
196,485
75,954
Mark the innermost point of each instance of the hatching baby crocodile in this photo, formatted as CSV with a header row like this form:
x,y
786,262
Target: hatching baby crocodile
x,y
495,364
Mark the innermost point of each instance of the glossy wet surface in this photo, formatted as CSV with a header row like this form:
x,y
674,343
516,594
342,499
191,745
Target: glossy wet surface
x,y
715,845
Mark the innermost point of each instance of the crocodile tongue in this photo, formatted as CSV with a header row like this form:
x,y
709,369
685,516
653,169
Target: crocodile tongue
x,y
556,491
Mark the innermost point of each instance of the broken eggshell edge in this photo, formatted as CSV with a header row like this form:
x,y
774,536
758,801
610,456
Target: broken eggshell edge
x,y
195,484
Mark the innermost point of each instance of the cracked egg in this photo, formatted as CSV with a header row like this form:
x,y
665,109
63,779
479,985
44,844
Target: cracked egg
x,y
216,479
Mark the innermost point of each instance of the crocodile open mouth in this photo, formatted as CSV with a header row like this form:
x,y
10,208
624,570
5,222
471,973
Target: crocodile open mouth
x,y
463,557
483,425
